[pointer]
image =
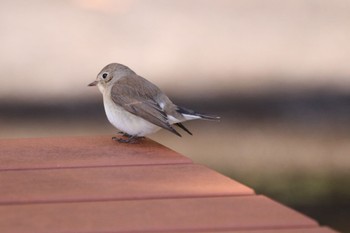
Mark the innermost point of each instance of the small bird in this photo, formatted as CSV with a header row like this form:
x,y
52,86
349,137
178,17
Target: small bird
x,y
137,107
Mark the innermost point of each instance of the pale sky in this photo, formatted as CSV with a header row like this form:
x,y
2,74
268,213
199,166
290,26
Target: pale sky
x,y
55,48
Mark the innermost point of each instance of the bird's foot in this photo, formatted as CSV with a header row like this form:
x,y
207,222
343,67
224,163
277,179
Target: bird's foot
x,y
130,139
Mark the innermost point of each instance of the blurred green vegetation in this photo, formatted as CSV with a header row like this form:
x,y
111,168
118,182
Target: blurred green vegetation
x,y
324,197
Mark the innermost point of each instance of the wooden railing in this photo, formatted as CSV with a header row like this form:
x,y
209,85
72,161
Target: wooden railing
x,y
93,184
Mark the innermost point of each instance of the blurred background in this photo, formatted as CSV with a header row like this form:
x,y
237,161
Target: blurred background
x,y
277,72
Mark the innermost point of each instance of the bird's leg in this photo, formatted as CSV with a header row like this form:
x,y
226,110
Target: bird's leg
x,y
131,138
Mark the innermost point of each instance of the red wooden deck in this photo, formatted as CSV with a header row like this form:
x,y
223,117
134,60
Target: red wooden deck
x,y
92,184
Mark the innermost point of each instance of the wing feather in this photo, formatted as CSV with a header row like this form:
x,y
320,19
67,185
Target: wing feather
x,y
137,96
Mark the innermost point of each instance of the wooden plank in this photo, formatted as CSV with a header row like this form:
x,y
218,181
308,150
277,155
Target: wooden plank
x,y
115,183
188,214
95,151
281,230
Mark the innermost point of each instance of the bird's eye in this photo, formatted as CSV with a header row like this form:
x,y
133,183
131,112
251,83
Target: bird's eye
x,y
104,75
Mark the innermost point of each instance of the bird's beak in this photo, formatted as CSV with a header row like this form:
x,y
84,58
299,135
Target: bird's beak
x,y
94,83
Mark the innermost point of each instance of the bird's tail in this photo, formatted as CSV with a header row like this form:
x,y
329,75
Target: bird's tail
x,y
191,115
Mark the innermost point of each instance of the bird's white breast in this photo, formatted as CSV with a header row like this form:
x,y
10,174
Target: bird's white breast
x,y
125,121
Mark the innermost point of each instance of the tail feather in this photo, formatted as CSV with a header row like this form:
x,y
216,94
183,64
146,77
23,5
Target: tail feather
x,y
191,113
184,128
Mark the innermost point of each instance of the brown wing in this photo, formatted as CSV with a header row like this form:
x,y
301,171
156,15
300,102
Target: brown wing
x,y
136,95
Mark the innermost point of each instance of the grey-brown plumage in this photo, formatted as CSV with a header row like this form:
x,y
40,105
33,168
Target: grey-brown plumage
x,y
141,98
137,106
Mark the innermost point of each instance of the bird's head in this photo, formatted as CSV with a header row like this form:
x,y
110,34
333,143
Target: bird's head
x,y
110,74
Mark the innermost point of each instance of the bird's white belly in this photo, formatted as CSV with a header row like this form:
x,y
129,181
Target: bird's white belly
x,y
127,122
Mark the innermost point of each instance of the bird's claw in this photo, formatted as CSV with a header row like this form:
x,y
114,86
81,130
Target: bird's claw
x,y
130,139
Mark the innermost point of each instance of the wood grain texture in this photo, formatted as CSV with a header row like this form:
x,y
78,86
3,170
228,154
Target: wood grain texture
x,y
215,213
280,230
58,152
96,185
115,183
